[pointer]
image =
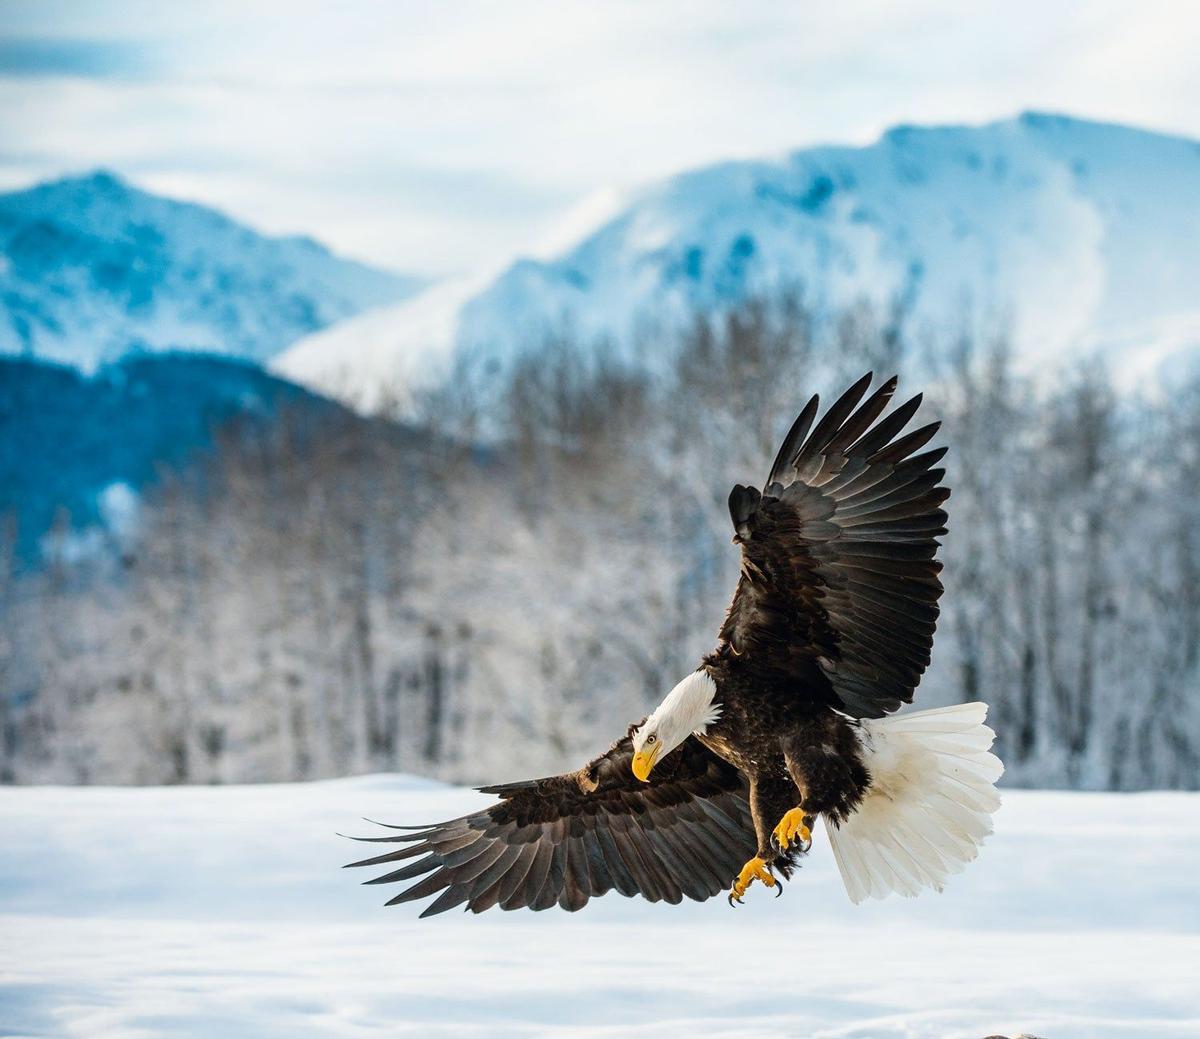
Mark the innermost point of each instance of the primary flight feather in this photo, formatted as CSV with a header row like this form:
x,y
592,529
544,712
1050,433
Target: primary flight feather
x,y
786,721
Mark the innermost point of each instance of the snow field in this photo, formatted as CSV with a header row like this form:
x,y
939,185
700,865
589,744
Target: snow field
x,y
221,911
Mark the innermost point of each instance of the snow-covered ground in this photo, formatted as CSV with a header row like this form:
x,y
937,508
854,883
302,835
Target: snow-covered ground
x,y
221,912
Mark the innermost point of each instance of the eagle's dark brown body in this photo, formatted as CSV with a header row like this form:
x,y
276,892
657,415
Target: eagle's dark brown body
x,y
832,622
784,743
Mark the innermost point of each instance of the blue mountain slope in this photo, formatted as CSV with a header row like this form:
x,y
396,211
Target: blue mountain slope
x,y
92,267
65,437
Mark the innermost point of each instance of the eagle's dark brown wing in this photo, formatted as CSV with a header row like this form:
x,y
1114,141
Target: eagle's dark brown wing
x,y
839,580
566,839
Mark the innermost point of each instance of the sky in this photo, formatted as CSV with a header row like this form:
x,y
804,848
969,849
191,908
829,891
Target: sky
x,y
445,138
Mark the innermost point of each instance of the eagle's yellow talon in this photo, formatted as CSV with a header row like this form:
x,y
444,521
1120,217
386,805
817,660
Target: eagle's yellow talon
x,y
791,826
755,869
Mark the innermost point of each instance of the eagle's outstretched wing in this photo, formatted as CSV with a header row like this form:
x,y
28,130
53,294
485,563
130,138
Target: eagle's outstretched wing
x,y
839,580
566,839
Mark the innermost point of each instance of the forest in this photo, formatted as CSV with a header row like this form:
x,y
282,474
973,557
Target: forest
x,y
496,581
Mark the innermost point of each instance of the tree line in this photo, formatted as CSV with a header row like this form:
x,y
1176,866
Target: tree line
x,y
497,587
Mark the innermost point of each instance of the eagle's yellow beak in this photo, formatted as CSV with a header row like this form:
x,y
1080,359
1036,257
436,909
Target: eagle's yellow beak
x,y
643,761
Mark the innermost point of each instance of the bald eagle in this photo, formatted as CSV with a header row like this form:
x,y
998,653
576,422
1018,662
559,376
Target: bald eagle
x,y
785,722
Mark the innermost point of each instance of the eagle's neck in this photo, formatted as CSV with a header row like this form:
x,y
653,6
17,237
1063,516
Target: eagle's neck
x,y
690,707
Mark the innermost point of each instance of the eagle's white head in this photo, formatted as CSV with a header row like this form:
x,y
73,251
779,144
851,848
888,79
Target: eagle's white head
x,y
688,708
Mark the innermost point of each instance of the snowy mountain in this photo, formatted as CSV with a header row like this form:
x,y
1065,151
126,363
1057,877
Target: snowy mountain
x,y
371,360
91,268
1072,236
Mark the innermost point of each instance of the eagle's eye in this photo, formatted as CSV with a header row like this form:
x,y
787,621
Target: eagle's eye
x,y
651,738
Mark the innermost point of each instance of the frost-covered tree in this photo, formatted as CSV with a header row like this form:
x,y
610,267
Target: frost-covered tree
x,y
537,559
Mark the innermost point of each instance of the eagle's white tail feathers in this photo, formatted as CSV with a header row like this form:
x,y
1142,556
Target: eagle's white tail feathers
x,y
929,806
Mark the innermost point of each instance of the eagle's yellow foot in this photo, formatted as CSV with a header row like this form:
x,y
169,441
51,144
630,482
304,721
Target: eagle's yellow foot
x,y
755,869
790,827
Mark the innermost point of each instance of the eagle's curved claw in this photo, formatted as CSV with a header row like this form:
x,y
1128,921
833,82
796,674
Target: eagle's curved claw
x,y
755,869
793,829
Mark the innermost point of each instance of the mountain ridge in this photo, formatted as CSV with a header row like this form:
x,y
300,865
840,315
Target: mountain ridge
x,y
1071,235
93,267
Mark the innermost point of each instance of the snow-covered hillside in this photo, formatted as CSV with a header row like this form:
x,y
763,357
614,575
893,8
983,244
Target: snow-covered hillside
x,y
1073,236
221,911
91,268
375,359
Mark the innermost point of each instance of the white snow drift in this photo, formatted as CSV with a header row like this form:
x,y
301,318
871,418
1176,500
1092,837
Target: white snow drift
x,y
205,911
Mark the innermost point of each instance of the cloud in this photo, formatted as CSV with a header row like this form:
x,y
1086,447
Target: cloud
x,y
444,137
